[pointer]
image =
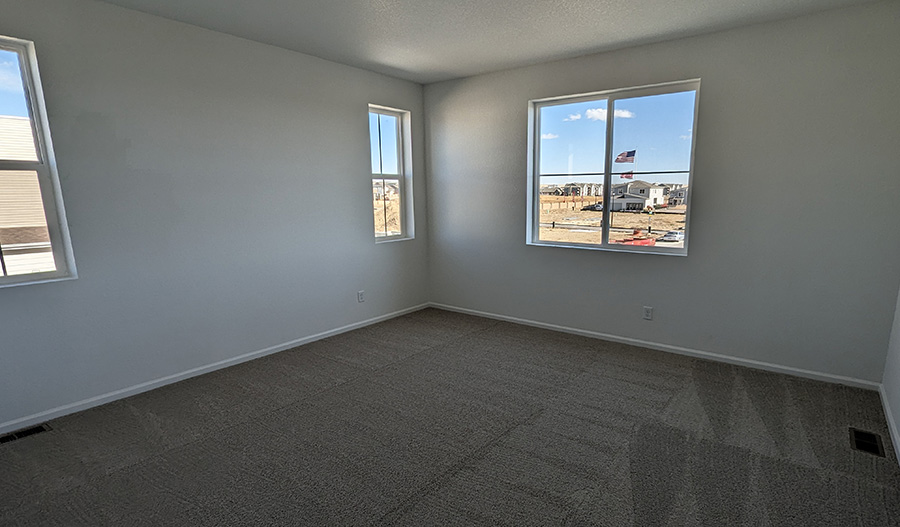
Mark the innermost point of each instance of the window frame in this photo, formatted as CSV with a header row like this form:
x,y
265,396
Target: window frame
x,y
46,169
405,169
610,96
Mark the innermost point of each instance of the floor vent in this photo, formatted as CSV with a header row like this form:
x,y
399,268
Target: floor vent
x,y
25,432
866,442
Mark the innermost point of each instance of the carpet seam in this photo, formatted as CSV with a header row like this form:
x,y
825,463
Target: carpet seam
x,y
454,469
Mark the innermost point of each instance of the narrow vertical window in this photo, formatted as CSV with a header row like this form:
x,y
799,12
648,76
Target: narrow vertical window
x,y
391,196
34,242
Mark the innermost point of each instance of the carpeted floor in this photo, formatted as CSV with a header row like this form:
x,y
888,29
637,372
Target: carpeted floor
x,y
438,418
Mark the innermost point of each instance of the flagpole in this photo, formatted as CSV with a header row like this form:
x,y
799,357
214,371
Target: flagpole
x,y
650,212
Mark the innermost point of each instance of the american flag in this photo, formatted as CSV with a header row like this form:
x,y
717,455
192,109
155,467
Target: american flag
x,y
627,175
626,156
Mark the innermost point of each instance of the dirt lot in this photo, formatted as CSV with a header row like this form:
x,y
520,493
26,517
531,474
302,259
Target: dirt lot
x,y
11,235
622,226
387,213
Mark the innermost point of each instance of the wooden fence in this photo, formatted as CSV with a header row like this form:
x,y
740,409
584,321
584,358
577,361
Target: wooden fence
x,y
568,202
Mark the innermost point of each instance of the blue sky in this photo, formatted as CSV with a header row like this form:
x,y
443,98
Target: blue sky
x,y
659,127
383,141
12,93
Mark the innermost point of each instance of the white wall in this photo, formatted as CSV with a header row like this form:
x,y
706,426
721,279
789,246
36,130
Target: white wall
x,y
218,197
793,116
891,381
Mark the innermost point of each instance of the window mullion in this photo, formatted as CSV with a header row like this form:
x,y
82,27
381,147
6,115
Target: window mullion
x,y
380,148
607,173
536,184
2,262
401,179
7,165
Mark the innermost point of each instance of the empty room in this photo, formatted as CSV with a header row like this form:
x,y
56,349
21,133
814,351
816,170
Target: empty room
x,y
421,262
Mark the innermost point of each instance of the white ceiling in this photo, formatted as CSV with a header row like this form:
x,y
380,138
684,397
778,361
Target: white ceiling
x,y
433,40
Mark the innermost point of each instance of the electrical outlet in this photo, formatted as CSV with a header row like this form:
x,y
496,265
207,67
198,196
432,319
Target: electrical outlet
x,y
360,296
648,313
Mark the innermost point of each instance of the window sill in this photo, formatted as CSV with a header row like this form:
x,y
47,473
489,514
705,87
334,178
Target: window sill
x,y
393,239
613,248
29,280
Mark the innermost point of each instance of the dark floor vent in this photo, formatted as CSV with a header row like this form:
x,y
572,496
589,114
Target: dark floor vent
x,y
25,432
867,442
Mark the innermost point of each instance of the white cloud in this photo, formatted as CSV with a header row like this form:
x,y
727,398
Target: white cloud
x,y
596,114
688,135
10,81
573,117
549,136
599,114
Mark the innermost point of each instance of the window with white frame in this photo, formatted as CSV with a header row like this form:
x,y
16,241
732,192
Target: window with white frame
x,y
391,171
612,170
34,239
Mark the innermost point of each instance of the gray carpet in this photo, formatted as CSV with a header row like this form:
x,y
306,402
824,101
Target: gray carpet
x,y
438,418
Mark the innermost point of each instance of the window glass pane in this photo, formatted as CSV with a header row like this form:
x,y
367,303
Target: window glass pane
x,y
385,148
573,141
384,145
640,213
390,149
386,207
378,207
652,156
571,212
374,146
16,135
24,239
392,207
658,128
572,144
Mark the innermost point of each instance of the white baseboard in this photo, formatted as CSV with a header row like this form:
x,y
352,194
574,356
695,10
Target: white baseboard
x,y
750,363
892,424
59,411
40,417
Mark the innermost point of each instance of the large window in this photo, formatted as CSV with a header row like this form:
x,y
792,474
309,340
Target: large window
x,y
391,170
612,170
34,240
